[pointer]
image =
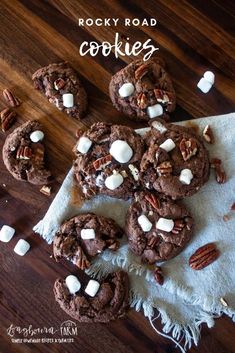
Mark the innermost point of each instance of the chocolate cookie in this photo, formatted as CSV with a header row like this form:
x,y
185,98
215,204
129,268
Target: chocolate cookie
x,y
143,90
62,87
83,237
109,303
176,162
23,154
157,227
108,158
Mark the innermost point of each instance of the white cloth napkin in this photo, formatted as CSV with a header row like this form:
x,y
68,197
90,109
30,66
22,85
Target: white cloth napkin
x,y
188,298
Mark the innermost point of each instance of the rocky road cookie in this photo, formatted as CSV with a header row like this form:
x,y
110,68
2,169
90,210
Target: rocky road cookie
x,y
157,227
143,90
62,87
23,154
108,158
83,237
176,162
97,302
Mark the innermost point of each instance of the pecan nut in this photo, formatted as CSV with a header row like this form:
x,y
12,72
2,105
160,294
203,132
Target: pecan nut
x,y
162,96
220,174
81,260
141,71
188,148
208,134
59,84
153,200
10,99
102,162
142,101
153,241
24,152
158,275
7,119
178,226
164,168
204,256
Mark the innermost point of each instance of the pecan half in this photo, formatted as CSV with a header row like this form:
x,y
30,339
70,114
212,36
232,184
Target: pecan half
x,y
102,162
188,148
82,261
7,119
59,84
164,168
141,71
158,276
204,256
162,96
153,200
220,174
208,134
24,152
142,101
153,241
9,97
178,226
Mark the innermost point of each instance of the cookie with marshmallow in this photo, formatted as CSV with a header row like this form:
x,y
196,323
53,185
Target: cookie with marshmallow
x,y
143,90
96,301
85,236
108,161
157,227
176,162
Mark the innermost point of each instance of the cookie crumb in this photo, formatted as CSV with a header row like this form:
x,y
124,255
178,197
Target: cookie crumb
x,y
233,207
223,302
226,218
46,190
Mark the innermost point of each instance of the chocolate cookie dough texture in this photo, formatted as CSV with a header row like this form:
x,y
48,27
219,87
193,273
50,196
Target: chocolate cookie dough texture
x,y
96,301
108,158
143,90
24,154
83,237
157,227
62,87
176,162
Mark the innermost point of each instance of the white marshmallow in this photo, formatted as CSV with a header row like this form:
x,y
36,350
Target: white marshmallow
x,y
154,110
6,233
121,151
21,247
84,144
144,223
73,284
209,76
68,100
126,90
92,288
112,182
87,234
36,136
204,85
165,224
186,176
168,145
159,127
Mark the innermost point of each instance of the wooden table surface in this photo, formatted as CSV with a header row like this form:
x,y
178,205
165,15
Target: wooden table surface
x,y
193,36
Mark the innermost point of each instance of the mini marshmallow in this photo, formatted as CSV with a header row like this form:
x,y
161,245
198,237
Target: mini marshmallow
x,y
73,284
92,288
87,234
159,127
209,76
112,182
165,224
68,100
36,136
144,223
6,233
154,110
84,144
186,176
204,85
168,145
21,247
134,172
126,90
121,151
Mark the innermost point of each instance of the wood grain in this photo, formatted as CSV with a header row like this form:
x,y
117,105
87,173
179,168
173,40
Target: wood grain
x,y
193,36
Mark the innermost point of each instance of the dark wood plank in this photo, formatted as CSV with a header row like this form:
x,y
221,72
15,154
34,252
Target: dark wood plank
x,y
193,36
